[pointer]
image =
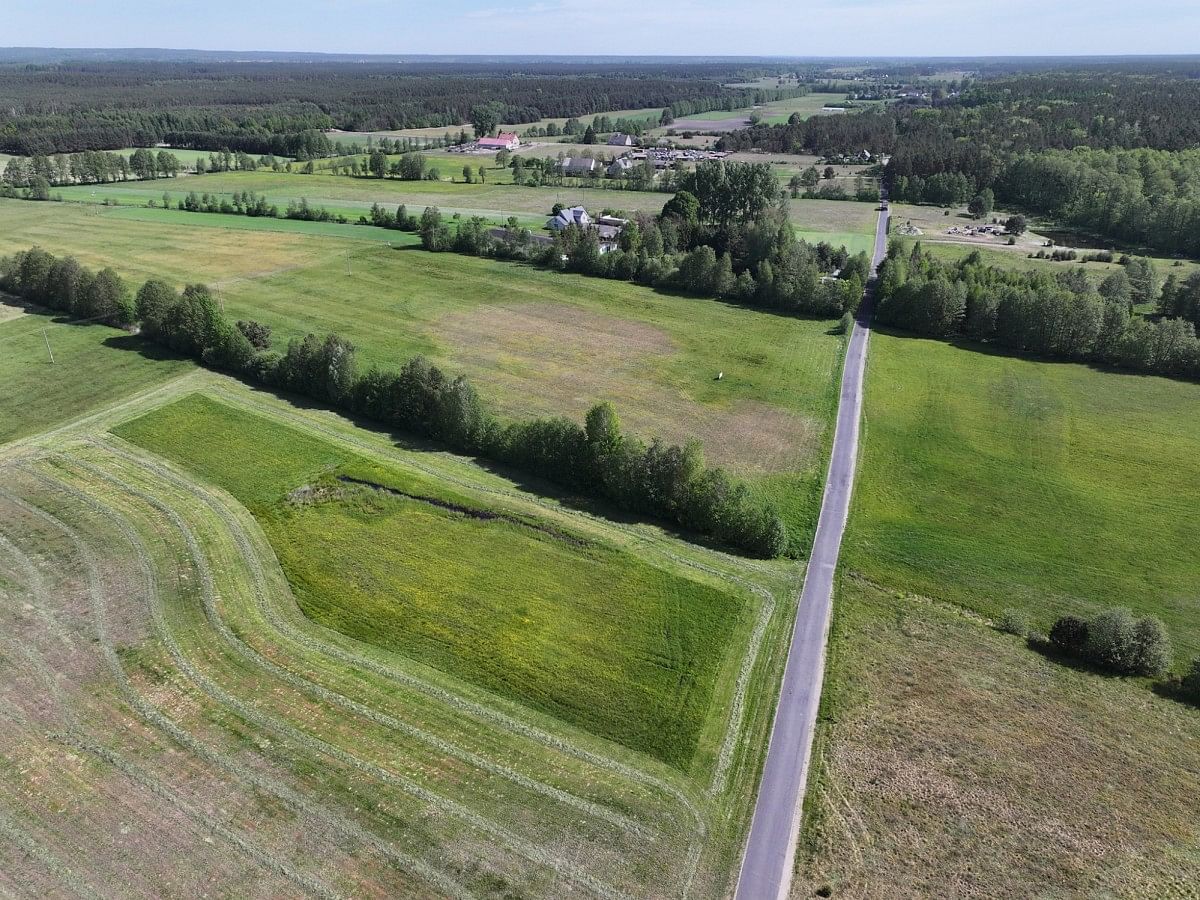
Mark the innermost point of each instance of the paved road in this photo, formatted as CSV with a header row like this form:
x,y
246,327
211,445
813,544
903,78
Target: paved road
x,y
770,852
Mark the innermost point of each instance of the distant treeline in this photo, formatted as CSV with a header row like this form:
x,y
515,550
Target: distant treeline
x,y
1057,315
871,130
281,108
669,482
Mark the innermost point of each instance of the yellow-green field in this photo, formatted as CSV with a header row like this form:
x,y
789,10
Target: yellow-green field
x,y
535,342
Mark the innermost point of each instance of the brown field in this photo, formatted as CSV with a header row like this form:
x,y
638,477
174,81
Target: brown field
x,y
941,768
578,357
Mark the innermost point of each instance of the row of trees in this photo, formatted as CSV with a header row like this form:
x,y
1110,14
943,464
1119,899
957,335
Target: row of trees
x,y
669,482
1116,642
90,167
1062,316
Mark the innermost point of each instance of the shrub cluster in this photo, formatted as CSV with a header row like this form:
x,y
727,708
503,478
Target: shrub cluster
x,y
1116,642
665,481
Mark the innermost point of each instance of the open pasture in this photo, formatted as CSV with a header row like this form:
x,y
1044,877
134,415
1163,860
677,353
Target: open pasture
x,y
86,371
997,481
952,757
582,631
535,342
177,686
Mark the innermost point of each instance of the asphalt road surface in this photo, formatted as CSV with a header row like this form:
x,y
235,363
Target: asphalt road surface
x,y
766,872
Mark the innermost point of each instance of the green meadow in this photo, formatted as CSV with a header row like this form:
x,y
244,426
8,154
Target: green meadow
x,y
998,481
583,631
535,342
87,371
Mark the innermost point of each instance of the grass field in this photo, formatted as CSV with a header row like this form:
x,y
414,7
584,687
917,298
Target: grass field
x,y
176,725
493,200
589,634
998,481
954,762
535,342
86,370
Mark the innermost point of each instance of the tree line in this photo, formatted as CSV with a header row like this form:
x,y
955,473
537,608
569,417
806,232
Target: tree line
x,y
1058,315
66,107
598,458
724,235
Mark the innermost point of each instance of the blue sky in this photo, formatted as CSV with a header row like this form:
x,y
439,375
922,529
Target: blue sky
x,y
676,27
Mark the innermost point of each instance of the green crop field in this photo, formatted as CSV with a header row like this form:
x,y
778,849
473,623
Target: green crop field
x,y
587,633
535,342
87,370
997,481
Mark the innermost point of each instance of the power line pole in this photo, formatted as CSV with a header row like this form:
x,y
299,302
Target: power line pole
x,y
46,338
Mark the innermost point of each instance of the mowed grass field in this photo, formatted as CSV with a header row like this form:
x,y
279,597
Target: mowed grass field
x,y
535,342
584,632
189,710
87,370
954,762
995,481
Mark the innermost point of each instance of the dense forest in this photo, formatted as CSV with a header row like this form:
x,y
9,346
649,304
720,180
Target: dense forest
x,y
269,107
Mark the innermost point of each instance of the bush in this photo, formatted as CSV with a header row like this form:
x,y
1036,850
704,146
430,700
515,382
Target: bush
x,y
1189,685
1069,634
1128,646
1116,641
1014,621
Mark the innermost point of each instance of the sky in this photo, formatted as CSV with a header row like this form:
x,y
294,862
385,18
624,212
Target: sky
x,y
644,27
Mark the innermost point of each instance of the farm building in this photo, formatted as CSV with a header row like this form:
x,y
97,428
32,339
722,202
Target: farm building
x,y
505,140
621,166
621,140
578,165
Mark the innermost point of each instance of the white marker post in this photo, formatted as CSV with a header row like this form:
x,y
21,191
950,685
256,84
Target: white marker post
x,y
46,338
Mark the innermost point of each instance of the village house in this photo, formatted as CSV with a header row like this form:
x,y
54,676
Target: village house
x,y
575,215
505,140
621,140
578,166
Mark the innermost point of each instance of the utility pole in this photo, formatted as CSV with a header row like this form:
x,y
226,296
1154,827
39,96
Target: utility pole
x,y
46,338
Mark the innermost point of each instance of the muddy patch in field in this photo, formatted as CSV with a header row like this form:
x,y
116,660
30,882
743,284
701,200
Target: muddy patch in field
x,y
557,359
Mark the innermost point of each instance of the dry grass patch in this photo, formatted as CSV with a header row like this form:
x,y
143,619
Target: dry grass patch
x,y
547,358
958,762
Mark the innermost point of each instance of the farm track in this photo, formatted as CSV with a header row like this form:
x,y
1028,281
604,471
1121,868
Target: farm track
x,y
303,739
